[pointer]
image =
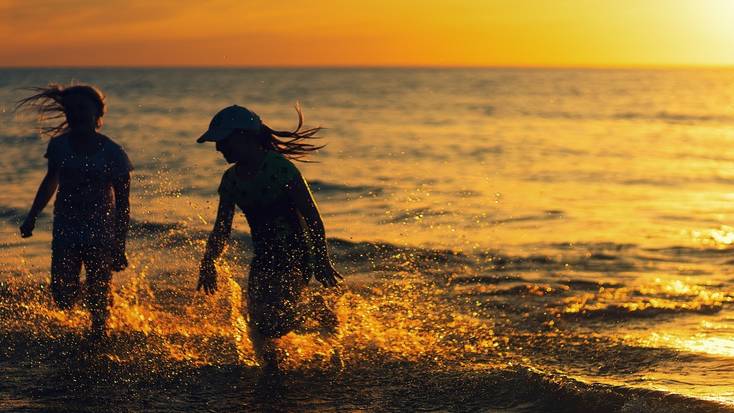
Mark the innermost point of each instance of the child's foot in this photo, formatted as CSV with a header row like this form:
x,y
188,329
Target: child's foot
x,y
271,378
96,334
92,343
336,360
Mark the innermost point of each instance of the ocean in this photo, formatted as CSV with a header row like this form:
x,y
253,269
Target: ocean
x,y
515,240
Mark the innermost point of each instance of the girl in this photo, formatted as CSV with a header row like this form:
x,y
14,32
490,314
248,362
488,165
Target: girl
x,y
91,213
285,225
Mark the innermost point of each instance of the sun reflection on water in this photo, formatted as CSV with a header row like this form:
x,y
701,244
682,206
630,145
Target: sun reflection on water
x,y
721,237
698,343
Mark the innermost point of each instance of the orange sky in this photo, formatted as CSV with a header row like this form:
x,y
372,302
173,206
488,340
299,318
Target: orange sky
x,y
366,32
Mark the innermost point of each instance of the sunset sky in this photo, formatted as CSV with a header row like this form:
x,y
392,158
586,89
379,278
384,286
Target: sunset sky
x,y
366,33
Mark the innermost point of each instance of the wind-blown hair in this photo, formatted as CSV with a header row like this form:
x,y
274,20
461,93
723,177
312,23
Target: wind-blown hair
x,y
49,103
293,144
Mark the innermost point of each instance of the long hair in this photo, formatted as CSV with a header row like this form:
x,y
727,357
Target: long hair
x,y
293,144
49,103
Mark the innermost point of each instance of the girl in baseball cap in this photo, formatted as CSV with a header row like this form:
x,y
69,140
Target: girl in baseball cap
x,y
285,225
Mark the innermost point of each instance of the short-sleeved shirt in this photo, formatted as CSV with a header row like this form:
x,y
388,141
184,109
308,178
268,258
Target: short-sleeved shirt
x,y
84,207
271,214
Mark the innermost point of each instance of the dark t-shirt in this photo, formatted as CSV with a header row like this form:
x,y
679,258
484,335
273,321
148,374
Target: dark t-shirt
x,y
273,218
84,207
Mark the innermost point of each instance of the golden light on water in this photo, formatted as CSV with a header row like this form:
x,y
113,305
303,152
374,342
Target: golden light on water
x,y
721,237
711,345
724,236
397,320
662,296
699,343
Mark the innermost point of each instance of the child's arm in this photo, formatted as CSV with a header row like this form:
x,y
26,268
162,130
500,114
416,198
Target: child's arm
x,y
301,196
215,245
121,186
45,191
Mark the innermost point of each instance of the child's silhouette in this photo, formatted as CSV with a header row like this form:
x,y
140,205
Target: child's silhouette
x,y
287,231
91,212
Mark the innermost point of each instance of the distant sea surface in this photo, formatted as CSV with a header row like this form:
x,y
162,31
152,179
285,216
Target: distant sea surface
x,y
512,240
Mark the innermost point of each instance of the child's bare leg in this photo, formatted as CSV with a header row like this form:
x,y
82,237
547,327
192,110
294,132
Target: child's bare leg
x,y
99,275
265,349
98,291
66,265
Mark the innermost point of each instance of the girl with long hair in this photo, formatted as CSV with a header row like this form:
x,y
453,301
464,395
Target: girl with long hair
x,y
285,225
90,175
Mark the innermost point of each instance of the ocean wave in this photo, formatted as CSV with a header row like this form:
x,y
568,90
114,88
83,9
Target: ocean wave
x,y
614,312
589,285
592,246
484,279
413,214
670,117
521,290
674,181
14,140
547,215
385,256
647,301
601,262
679,253
675,117
328,187
13,215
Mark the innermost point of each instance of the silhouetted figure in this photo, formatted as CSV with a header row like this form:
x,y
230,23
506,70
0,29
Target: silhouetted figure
x,y
286,228
91,212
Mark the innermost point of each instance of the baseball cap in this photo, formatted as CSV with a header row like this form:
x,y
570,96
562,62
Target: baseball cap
x,y
229,119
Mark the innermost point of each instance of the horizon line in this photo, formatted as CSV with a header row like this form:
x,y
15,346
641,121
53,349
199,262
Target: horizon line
x,y
338,66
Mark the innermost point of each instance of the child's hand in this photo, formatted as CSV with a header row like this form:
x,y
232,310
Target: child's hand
x,y
26,229
328,275
119,261
207,277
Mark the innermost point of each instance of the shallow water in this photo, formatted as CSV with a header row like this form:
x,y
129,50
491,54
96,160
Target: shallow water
x,y
512,240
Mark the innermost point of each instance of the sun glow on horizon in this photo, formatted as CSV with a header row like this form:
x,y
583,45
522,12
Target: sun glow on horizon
x,y
379,33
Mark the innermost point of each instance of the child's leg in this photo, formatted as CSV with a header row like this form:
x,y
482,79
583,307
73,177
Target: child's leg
x,y
266,322
274,290
97,261
66,265
265,349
